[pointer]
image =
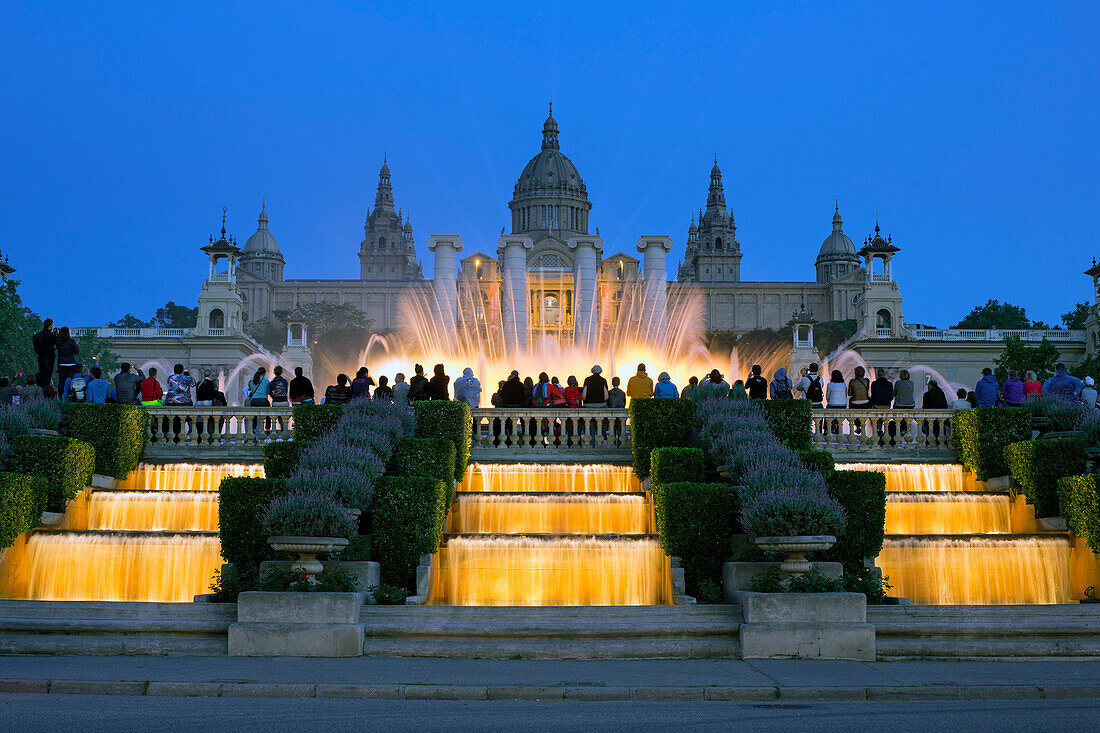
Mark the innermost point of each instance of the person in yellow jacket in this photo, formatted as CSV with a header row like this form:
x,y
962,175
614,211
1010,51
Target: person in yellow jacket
x,y
640,385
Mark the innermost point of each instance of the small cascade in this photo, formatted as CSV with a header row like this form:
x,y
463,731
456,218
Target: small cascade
x,y
154,538
550,535
951,540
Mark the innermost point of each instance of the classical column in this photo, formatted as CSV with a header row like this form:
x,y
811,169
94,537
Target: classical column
x,y
655,288
586,259
512,253
445,284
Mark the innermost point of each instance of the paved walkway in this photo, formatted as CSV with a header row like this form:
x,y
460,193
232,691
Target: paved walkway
x,y
482,679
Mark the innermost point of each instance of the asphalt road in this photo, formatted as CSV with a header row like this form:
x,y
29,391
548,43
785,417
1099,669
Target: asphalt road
x,y
26,713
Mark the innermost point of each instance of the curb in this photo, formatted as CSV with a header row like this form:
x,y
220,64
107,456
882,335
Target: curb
x,y
552,692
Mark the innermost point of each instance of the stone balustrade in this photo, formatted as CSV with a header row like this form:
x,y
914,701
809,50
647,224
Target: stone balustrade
x,y
884,432
216,432
553,434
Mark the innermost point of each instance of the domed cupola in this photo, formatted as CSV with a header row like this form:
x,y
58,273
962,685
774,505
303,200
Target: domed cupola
x,y
837,257
262,256
550,197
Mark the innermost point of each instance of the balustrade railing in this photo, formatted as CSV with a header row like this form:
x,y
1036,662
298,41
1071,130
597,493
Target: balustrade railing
x,y
881,431
995,334
550,432
212,428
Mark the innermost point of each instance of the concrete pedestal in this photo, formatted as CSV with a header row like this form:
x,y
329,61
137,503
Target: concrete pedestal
x,y
297,625
739,576
365,572
806,626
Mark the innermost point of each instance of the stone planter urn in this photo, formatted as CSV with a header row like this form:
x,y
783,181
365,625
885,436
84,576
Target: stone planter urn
x,y
796,548
307,548
353,515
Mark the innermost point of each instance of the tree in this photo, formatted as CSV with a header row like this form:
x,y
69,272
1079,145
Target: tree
x,y
175,316
995,314
129,321
1021,358
96,351
17,324
1075,319
267,334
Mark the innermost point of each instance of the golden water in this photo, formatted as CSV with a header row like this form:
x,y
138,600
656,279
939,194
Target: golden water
x,y
558,478
186,476
932,512
562,535
147,511
978,570
152,539
552,514
952,541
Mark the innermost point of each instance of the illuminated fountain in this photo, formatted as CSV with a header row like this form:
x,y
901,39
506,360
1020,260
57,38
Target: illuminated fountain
x,y
154,538
550,536
951,540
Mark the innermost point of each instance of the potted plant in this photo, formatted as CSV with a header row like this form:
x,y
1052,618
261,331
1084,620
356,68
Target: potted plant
x,y
794,522
307,523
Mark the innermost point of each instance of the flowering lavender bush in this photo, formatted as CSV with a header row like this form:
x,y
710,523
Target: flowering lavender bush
x,y
349,486
15,421
44,414
306,514
1064,414
786,512
330,451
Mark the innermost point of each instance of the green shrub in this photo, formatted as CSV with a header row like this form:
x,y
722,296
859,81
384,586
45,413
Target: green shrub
x,y
1080,497
407,522
306,514
280,459
66,464
863,496
388,595
695,522
1037,465
821,461
658,423
21,500
427,457
313,421
241,501
792,513
118,433
814,581
448,420
869,581
790,421
980,436
673,465
284,580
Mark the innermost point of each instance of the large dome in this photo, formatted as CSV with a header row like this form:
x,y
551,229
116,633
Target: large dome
x,y
837,243
262,242
550,169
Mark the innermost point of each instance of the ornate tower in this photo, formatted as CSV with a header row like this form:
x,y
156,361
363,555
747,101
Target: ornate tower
x,y
713,253
221,310
387,251
880,307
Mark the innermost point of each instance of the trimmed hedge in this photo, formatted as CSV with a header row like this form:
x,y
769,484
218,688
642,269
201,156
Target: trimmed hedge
x,y
313,421
790,421
695,521
863,496
67,465
22,498
673,465
821,461
426,457
407,521
980,436
281,459
448,420
119,434
1080,497
1037,465
658,423
241,503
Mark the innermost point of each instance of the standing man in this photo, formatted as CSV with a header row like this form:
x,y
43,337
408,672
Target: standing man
x,y
45,346
640,385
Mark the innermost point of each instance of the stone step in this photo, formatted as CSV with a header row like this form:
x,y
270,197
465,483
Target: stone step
x,y
553,633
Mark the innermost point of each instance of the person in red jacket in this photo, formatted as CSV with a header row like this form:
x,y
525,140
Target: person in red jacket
x,y
151,393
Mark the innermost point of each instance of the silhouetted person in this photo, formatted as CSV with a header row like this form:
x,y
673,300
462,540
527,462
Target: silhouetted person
x,y
45,348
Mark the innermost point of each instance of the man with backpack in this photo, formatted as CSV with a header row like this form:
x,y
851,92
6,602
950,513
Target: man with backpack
x,y
811,388
781,387
76,386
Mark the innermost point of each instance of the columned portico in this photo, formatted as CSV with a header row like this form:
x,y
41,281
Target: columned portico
x,y
587,251
654,251
445,285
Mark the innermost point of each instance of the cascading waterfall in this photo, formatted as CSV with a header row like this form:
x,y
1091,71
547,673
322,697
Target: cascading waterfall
x,y
154,538
951,540
542,535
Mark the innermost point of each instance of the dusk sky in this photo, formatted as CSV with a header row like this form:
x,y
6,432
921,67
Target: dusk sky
x,y
970,128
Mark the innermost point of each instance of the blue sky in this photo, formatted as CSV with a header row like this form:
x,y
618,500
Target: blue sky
x,y
970,128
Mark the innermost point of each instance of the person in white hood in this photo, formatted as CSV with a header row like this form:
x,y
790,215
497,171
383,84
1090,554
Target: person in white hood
x,y
468,388
1088,392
